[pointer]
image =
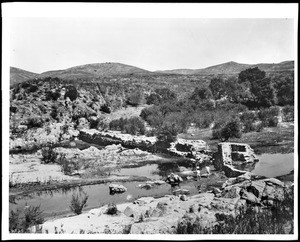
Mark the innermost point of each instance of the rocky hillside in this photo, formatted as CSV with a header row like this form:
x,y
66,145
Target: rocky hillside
x,y
18,75
232,67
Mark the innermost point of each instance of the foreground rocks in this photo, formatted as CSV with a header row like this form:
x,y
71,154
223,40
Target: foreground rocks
x,y
148,215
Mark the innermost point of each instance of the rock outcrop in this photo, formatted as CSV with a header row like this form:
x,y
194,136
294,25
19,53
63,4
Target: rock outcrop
x,y
181,147
163,215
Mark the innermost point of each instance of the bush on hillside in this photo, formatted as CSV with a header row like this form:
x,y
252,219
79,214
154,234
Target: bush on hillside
x,y
71,93
248,119
133,125
105,108
269,116
49,155
232,129
167,133
288,113
136,98
52,95
35,123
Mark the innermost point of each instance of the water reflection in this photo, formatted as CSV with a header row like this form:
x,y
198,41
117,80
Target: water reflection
x,y
270,165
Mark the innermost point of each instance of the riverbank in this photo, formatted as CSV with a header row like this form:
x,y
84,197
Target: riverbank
x,y
148,215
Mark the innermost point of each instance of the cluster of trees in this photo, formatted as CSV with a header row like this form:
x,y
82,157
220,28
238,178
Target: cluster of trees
x,y
232,106
254,89
133,125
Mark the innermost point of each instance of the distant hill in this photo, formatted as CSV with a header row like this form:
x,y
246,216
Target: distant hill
x,y
18,75
234,68
95,70
109,69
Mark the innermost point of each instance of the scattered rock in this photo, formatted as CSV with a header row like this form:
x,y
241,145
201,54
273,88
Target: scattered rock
x,y
257,188
274,181
181,192
173,179
250,197
183,197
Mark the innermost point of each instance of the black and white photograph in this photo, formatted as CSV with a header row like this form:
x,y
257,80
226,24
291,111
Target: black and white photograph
x,y
167,121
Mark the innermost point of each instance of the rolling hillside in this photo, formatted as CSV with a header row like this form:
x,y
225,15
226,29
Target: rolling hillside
x,y
18,75
95,70
98,70
234,68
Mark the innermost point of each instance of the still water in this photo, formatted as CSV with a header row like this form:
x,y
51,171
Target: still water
x,y
57,202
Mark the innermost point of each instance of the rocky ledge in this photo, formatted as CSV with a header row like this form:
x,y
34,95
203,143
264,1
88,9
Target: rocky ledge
x,y
181,147
148,215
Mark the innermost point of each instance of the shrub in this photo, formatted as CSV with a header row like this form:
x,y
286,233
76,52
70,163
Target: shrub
x,y
13,109
133,125
288,113
231,129
67,165
167,133
35,123
111,209
105,108
21,220
49,155
78,202
52,95
136,98
54,113
33,88
71,93
203,119
153,98
189,225
94,123
277,219
268,116
248,119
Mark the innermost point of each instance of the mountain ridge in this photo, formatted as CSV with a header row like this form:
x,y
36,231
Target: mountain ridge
x,y
107,69
232,67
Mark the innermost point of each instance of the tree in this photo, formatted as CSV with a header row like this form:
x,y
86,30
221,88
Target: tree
x,y
166,94
71,93
136,98
199,95
231,129
260,87
167,133
263,91
285,91
250,75
153,98
217,87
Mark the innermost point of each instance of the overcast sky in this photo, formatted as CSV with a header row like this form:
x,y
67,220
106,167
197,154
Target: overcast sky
x,y
42,44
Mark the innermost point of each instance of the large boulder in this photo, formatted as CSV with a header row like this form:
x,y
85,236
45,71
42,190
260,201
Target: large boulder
x,y
116,188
